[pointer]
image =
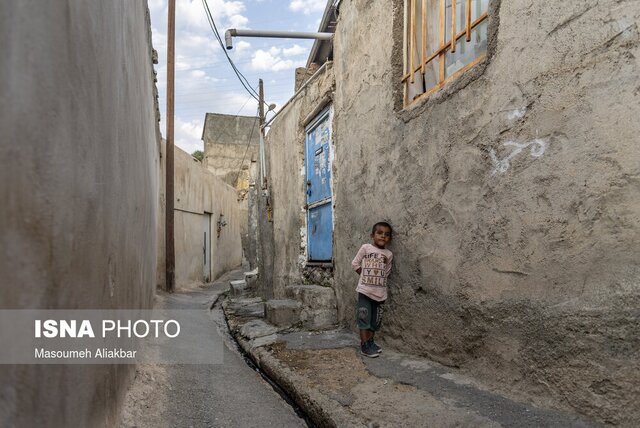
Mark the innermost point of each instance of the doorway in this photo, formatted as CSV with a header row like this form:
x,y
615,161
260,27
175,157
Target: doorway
x,y
319,193
206,247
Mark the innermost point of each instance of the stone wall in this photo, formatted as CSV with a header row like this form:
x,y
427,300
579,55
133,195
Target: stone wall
x,y
519,263
303,74
79,166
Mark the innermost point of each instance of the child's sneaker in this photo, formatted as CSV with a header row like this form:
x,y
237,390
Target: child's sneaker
x,y
374,346
368,351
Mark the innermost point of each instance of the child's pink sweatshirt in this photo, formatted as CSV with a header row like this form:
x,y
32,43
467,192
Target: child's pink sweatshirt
x,y
376,267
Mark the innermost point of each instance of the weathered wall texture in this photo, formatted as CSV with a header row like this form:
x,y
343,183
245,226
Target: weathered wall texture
x,y
161,253
282,264
252,242
514,196
230,144
230,152
198,191
79,158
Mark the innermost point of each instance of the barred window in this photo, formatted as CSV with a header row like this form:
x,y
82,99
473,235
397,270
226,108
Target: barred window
x,y
442,39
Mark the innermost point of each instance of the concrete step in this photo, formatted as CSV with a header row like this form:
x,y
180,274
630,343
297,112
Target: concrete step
x,y
251,278
257,328
238,287
319,319
312,296
282,313
251,273
245,307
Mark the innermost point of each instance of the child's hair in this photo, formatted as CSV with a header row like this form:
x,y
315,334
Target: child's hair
x,y
383,224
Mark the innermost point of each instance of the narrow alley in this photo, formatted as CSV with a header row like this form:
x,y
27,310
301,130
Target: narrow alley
x,y
321,213
205,395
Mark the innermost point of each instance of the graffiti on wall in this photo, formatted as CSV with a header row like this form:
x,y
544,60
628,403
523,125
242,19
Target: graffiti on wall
x,y
537,146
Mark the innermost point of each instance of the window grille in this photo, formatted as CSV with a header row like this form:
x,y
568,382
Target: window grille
x,y
442,39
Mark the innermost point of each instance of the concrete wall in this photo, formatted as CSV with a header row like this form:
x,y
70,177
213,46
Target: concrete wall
x,y
283,264
523,272
230,153
161,253
78,163
198,191
253,236
230,144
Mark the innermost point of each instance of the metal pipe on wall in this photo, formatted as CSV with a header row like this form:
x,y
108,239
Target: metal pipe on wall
x,y
232,32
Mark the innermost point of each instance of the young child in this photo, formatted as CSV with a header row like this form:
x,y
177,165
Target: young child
x,y
373,264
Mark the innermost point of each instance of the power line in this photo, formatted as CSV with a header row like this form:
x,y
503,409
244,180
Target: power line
x,y
243,80
245,103
245,151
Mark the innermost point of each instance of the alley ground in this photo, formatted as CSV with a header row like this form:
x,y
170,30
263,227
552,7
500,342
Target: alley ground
x,y
231,394
336,386
321,372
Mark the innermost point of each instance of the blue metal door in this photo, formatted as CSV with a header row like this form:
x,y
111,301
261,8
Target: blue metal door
x,y
319,197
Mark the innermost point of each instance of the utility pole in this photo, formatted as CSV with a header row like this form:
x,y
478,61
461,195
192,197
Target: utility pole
x,y
262,151
263,160
169,225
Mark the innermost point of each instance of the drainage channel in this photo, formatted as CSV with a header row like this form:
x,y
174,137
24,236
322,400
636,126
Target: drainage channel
x,y
247,359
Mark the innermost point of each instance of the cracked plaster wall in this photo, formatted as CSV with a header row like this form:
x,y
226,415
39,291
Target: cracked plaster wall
x,y
514,195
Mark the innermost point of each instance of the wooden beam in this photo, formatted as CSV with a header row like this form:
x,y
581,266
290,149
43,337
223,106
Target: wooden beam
x,y
453,25
468,26
443,16
413,36
405,57
451,78
424,34
430,58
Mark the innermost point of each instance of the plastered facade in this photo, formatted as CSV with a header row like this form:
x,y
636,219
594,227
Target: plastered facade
x,y
79,156
283,239
230,147
198,192
230,153
513,194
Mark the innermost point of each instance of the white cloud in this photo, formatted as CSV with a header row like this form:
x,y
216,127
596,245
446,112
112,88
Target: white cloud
x,y
238,21
242,46
272,61
294,50
191,13
188,134
307,6
204,81
195,50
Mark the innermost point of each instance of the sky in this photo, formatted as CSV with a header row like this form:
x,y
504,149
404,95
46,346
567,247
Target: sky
x,y
204,81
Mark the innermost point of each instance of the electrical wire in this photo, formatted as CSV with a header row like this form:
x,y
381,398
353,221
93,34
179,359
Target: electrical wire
x,y
243,80
214,29
245,103
246,150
